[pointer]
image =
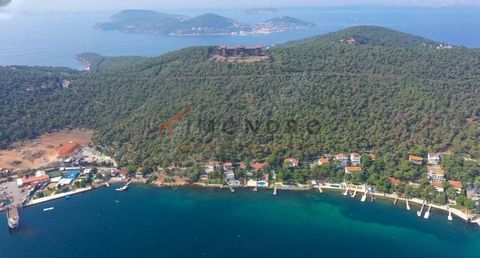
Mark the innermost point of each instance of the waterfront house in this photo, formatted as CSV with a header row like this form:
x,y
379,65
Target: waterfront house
x,y
291,162
323,161
342,158
212,165
355,159
433,158
257,165
473,192
436,173
353,169
228,166
229,175
415,159
457,185
438,185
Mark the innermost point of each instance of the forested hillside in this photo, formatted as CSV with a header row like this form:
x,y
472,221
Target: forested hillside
x,y
390,94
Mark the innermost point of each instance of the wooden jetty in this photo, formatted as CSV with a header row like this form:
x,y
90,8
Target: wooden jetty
x,y
354,194
408,205
427,214
275,190
364,197
419,213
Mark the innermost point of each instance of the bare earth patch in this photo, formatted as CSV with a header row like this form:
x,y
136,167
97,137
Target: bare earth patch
x,y
37,153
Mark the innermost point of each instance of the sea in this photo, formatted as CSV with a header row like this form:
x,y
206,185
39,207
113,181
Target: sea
x,y
187,222
54,38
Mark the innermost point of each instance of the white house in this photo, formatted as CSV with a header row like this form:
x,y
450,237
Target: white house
x,y
355,159
436,173
342,158
433,158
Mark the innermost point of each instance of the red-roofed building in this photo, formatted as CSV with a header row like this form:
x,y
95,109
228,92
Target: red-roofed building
x,y
415,159
258,165
323,161
342,158
351,170
212,165
291,162
457,185
394,180
438,185
33,181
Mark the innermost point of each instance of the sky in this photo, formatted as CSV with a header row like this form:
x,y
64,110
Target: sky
x,y
110,5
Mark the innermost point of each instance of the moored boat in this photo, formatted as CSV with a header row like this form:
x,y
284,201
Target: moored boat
x,y
13,217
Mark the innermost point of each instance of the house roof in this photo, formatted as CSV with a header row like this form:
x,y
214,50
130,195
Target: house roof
x,y
214,163
436,170
355,154
437,184
415,158
323,160
258,165
341,156
355,169
36,179
455,184
292,160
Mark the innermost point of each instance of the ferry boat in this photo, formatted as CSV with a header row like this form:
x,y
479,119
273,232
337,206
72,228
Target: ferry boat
x,y
12,217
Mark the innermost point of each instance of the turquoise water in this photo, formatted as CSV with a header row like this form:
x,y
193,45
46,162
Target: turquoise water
x,y
54,39
182,222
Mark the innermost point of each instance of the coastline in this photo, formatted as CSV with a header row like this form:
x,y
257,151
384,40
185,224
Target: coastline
x,y
330,187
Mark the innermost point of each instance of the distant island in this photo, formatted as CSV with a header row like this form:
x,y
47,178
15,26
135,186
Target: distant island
x,y
146,21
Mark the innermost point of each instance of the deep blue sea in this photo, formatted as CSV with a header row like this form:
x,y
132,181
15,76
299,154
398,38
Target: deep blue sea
x,y
183,222
54,39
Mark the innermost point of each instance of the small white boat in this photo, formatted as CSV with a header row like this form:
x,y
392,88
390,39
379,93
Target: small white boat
x,y
364,197
49,209
107,184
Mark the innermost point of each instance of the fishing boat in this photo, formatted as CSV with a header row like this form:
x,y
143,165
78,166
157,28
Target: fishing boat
x,y
12,217
49,209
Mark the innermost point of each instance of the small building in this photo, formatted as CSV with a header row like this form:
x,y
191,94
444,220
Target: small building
x,y
33,181
323,161
342,158
257,165
228,166
433,158
373,156
436,173
212,165
473,192
438,185
291,162
203,177
355,159
229,175
457,185
353,169
415,159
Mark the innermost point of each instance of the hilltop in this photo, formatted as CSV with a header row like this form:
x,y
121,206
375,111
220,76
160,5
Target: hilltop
x,y
388,95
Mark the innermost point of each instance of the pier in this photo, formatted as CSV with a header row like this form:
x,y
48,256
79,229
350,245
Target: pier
x,y
364,197
395,201
449,215
232,190
354,194
408,205
125,187
427,214
275,190
419,213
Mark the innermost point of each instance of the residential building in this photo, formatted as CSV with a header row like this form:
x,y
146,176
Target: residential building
x,y
457,185
415,159
436,173
342,158
323,161
212,165
227,166
355,159
394,180
257,165
438,185
354,169
433,158
473,192
291,162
